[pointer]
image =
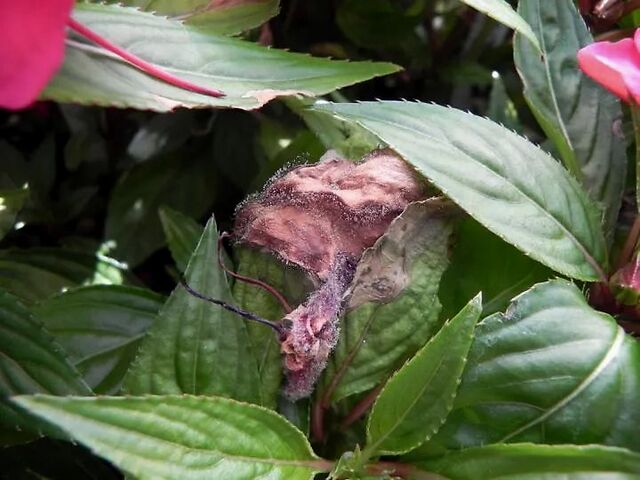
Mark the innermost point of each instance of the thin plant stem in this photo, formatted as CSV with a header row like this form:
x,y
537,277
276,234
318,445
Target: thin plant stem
x,y
139,63
317,421
232,308
252,281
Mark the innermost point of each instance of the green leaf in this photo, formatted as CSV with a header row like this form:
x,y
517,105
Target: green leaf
x,y
219,16
377,337
348,139
550,369
37,273
101,328
11,201
234,17
575,113
482,261
512,187
249,75
196,347
185,437
30,362
184,184
537,462
502,12
416,400
182,234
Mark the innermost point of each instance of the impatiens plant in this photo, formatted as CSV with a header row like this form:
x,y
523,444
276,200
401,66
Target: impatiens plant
x,y
224,257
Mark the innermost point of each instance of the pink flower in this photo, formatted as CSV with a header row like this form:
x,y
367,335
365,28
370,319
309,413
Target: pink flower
x,y
615,66
32,36
32,42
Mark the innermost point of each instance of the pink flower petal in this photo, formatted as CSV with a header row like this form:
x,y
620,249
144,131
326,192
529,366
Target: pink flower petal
x,y
32,36
615,66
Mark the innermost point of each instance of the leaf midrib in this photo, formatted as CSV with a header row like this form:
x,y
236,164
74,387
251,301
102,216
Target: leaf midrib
x,y
554,100
374,446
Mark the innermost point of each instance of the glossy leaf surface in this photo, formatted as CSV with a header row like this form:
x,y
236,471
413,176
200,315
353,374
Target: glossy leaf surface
x,y
529,461
30,362
416,400
101,328
248,74
551,370
195,347
512,187
191,438
576,114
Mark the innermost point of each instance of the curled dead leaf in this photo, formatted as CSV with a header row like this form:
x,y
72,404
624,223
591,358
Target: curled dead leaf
x,y
312,214
384,269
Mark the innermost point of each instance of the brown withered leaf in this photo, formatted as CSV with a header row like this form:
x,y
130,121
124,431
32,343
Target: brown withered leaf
x,y
383,272
312,214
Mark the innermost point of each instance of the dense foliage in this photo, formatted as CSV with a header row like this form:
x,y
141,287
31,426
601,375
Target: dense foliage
x,y
487,333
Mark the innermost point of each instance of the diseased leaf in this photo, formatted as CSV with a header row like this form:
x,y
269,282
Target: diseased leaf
x,y
482,261
526,461
575,113
416,400
265,345
549,370
512,187
11,201
194,346
182,234
502,12
30,362
185,437
100,328
376,338
185,184
37,273
248,74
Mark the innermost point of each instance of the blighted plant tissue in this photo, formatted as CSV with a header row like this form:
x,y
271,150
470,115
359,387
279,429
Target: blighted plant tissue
x,y
321,218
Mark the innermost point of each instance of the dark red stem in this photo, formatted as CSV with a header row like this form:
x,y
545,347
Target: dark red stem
x,y
361,408
252,281
136,61
317,421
